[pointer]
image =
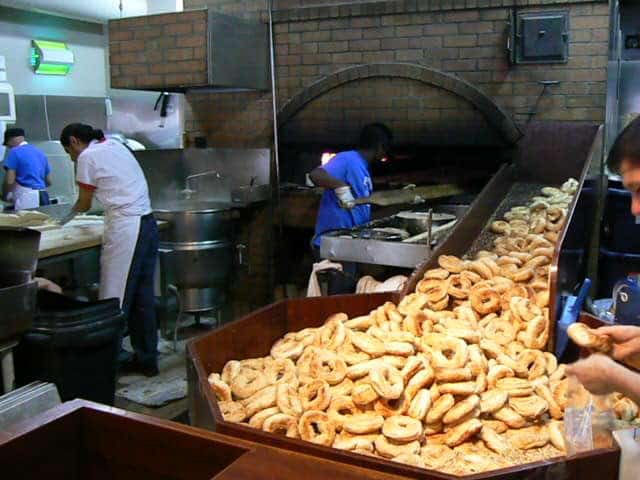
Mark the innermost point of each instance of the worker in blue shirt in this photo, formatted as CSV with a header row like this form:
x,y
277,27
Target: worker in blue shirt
x,y
346,177
27,172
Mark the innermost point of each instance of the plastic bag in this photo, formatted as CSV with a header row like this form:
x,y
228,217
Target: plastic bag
x,y
588,419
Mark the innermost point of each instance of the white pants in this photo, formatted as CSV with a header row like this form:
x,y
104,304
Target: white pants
x,y
118,246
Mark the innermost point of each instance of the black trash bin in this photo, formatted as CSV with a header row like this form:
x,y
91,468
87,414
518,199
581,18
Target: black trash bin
x,y
73,344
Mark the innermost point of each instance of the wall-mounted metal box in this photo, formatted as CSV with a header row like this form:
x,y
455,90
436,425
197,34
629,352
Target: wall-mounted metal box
x,y
539,37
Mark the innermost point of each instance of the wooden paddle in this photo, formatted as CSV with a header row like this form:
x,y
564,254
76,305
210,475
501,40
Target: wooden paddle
x,y
414,195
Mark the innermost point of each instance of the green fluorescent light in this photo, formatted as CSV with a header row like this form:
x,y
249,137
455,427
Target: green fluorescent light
x,y
50,58
48,69
51,45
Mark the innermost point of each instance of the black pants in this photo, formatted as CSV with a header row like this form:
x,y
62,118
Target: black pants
x,y
139,302
44,198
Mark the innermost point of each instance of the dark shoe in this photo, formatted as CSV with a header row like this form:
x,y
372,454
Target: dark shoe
x,y
134,366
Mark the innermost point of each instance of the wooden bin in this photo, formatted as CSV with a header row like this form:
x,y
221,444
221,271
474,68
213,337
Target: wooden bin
x,y
253,335
83,440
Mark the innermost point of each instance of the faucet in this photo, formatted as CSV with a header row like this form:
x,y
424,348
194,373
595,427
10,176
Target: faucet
x,y
188,192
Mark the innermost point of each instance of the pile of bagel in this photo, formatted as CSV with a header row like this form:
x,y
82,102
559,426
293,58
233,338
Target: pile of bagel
x,y
453,378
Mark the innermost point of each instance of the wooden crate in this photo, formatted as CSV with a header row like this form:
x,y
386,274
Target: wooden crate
x,y
253,335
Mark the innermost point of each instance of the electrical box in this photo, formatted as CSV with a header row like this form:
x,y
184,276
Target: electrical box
x,y
539,37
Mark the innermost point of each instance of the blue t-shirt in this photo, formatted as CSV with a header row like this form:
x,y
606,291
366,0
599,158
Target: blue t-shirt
x,y
352,169
31,166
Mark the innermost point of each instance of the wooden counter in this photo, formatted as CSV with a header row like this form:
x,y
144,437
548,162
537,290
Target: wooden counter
x,y
83,440
76,235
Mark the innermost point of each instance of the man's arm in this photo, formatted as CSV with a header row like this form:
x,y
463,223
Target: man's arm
x,y
324,179
601,375
47,180
83,204
9,182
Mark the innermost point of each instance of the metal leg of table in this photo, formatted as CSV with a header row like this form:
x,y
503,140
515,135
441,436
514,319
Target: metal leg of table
x,y
6,362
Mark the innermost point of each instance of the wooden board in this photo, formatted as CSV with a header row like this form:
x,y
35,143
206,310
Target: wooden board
x,y
83,440
408,196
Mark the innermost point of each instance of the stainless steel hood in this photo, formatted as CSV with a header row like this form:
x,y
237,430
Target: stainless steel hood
x,y
237,53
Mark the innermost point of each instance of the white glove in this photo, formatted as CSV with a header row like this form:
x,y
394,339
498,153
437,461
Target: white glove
x,y
345,197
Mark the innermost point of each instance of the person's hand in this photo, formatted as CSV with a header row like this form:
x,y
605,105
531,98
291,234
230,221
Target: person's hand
x,y
626,340
594,372
345,197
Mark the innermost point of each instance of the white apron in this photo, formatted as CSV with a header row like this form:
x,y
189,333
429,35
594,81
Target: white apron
x,y
25,197
118,246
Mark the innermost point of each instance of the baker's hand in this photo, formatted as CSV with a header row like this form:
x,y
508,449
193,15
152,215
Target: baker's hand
x,y
594,372
345,197
626,340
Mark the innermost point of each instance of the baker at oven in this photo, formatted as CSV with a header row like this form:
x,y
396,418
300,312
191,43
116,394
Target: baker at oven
x,y
27,172
107,170
346,177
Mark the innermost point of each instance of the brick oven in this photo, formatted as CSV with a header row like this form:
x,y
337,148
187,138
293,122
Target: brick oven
x,y
324,46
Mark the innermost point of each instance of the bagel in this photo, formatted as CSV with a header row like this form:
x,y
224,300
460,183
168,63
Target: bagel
x,y
510,417
387,448
280,370
258,419
493,400
451,263
361,323
422,379
515,387
453,374
315,395
439,408
446,351
493,440
496,425
459,286
287,347
556,435
281,423
530,407
402,429
229,371
437,273
332,334
232,411
461,409
247,382
329,367
420,405
461,433
458,388
260,400
386,381
287,400
528,438
360,443
389,408
220,388
362,423
484,300
363,394
315,426
368,344
585,337
534,362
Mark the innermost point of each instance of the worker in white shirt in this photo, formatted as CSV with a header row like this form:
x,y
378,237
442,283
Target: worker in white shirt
x,y
107,170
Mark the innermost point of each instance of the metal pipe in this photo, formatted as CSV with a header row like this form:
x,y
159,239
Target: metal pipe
x,y
274,104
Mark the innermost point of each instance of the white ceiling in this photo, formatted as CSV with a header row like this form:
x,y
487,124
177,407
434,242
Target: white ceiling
x,y
96,10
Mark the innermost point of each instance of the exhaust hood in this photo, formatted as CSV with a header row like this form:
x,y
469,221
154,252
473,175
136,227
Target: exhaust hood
x,y
182,51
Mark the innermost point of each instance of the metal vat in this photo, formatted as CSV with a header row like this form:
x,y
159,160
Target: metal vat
x,y
194,222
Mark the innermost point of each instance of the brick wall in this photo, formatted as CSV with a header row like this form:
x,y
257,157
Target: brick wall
x,y
417,113
467,38
469,43
159,50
